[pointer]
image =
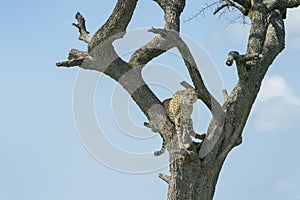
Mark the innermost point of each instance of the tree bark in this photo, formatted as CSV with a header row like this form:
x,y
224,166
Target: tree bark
x,y
193,178
193,173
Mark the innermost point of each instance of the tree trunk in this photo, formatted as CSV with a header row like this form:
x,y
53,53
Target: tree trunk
x,y
192,178
193,173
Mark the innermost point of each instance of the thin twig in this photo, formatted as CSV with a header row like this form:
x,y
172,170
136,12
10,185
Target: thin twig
x,y
201,11
230,4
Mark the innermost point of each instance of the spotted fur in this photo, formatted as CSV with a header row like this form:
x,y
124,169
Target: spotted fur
x,y
179,110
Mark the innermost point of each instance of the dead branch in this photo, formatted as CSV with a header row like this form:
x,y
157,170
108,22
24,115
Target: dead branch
x,y
202,11
272,5
235,56
158,45
186,84
75,58
84,34
70,63
75,54
147,52
165,177
230,4
100,53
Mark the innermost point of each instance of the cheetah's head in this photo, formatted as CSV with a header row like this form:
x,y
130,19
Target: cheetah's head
x,y
189,96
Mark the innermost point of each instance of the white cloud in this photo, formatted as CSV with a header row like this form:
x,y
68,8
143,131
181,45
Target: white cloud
x,y
282,186
277,106
275,87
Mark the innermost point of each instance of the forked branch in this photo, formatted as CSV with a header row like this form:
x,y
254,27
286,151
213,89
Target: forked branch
x,y
158,45
100,50
174,38
84,34
102,57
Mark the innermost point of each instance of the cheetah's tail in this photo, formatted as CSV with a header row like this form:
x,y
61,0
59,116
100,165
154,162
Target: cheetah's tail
x,y
161,151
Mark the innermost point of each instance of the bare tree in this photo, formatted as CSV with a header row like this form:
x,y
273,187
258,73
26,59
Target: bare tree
x,y
193,174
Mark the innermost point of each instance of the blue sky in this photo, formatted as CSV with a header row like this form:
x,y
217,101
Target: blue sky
x,y
42,156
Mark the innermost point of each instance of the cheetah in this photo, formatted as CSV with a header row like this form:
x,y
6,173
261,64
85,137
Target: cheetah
x,y
179,109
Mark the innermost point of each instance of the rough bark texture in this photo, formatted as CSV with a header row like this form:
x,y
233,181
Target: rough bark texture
x,y
193,173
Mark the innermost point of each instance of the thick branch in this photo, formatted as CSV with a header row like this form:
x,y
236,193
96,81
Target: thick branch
x,y
258,28
275,40
272,5
116,24
235,56
171,6
75,58
158,45
247,63
147,52
251,69
245,5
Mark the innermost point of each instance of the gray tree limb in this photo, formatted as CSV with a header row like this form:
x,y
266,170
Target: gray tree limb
x,y
159,45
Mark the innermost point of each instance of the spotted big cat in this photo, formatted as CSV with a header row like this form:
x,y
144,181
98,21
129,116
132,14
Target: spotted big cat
x,y
179,109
